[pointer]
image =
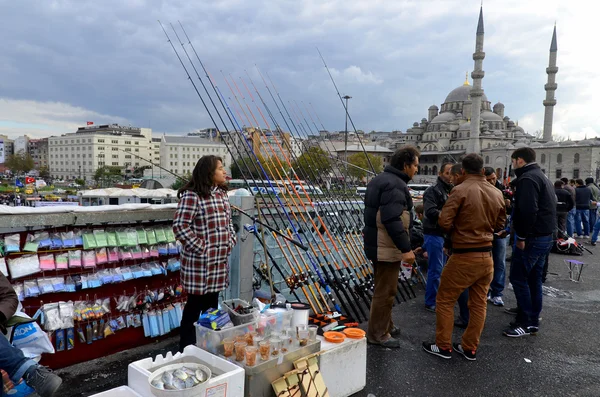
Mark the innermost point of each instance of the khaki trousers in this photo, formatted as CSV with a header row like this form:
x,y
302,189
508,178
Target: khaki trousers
x,y
386,286
473,270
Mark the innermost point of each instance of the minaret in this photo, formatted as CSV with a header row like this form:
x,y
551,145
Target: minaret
x,y
550,88
474,146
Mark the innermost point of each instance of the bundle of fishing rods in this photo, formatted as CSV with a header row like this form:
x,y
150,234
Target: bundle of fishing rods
x,y
326,262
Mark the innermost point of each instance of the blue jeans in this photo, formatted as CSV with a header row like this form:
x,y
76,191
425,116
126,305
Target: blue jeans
x,y
596,231
434,245
526,271
499,254
571,222
582,216
592,222
12,361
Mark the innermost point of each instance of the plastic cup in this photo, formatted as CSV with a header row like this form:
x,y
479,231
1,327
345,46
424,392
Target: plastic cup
x,y
275,346
251,355
300,328
240,350
312,332
303,337
228,345
239,336
264,347
250,338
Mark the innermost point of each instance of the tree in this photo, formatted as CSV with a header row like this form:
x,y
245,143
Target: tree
x,y
360,160
180,182
314,161
107,174
239,168
138,172
20,163
44,172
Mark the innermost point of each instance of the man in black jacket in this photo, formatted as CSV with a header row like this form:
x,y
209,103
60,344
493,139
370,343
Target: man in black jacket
x,y
583,201
534,222
565,204
387,243
433,201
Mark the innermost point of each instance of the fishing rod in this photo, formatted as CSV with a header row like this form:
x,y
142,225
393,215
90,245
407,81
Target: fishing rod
x,y
228,111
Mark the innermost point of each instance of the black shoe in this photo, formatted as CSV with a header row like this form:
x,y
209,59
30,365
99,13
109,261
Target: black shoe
x,y
593,243
430,308
432,348
468,354
519,331
460,324
511,310
395,332
43,381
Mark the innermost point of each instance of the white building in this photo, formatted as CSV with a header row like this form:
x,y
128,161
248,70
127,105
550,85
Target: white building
x,y
80,154
179,154
21,144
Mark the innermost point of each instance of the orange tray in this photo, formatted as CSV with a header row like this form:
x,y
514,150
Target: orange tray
x,y
354,333
334,337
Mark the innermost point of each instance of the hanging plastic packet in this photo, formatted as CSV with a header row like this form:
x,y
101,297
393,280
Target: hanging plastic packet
x,y
67,313
151,236
89,333
58,283
77,311
117,277
125,253
84,281
30,289
172,317
3,268
114,326
43,239
70,338
137,271
122,237
30,244
108,330
56,240
106,306
129,320
61,261
126,273
18,287
95,330
121,322
101,238
142,238
60,340
137,320
69,284
47,262
101,329
105,276
88,259
113,254
166,321
145,252
147,270
23,266
136,252
111,238
172,249
45,285
94,281
12,243
153,320
155,269
173,264
68,239
78,234
179,311
81,335
154,251
77,280
170,235
75,259
131,237
163,249
159,320
146,325
52,320
101,256
161,237
89,240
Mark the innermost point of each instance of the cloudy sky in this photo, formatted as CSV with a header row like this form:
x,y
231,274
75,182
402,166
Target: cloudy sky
x,y
64,62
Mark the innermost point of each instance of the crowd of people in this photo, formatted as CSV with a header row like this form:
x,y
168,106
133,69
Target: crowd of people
x,y
468,218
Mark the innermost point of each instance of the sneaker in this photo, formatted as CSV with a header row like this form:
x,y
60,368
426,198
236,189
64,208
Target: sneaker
x,y
468,354
42,380
511,310
395,332
519,331
432,348
586,237
593,243
496,301
430,308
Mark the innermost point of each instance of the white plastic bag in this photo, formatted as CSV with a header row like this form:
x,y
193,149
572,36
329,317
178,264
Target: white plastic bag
x,y
30,339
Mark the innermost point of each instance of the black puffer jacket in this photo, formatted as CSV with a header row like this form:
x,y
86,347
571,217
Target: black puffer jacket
x,y
583,197
433,201
565,200
535,203
387,216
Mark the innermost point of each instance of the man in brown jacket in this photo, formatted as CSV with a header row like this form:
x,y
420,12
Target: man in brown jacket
x,y
474,211
12,360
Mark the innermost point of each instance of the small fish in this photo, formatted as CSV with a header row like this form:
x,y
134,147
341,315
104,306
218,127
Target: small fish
x,y
179,384
167,378
179,374
158,384
188,371
200,375
189,382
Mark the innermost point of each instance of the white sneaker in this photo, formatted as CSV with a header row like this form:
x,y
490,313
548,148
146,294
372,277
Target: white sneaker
x,y
497,301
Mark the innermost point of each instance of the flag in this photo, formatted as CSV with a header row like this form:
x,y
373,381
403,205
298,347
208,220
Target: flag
x,y
29,180
90,123
40,183
18,183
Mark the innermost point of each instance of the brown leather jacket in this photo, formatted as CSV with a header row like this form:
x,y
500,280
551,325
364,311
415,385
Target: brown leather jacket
x,y
474,211
8,300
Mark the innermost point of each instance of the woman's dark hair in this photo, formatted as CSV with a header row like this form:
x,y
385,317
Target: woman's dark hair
x,y
404,156
202,177
472,163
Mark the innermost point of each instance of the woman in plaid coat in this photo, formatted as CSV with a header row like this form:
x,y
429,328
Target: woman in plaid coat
x,y
203,225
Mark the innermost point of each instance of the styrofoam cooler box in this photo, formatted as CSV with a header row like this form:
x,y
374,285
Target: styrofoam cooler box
x,y
344,366
227,379
122,391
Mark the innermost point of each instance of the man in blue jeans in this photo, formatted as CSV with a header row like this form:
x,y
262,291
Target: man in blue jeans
x,y
583,201
534,221
434,199
569,186
12,360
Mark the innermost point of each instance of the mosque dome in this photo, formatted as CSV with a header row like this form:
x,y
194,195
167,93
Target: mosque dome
x,y
462,94
465,126
443,117
486,115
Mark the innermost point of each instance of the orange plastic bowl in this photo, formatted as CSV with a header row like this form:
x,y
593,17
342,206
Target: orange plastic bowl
x,y
354,333
334,337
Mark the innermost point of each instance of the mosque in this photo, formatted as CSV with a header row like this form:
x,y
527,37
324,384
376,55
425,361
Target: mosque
x,y
467,122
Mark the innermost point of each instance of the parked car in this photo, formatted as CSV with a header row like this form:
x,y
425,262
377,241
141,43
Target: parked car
x,y
75,185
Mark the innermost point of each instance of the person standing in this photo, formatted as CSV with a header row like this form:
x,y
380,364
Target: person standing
x,y
534,222
571,215
434,199
565,204
388,219
203,225
589,182
583,200
474,211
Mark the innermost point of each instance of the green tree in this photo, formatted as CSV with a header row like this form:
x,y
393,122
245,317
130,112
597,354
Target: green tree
x,y
107,175
314,161
139,171
360,160
180,182
239,170
20,163
44,173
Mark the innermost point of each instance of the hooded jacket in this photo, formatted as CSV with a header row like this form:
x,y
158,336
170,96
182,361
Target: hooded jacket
x,y
433,201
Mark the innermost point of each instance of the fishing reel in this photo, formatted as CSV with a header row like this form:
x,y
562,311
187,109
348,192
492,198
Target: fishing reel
x,y
292,282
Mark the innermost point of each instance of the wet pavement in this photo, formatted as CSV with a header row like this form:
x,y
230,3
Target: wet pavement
x,y
562,360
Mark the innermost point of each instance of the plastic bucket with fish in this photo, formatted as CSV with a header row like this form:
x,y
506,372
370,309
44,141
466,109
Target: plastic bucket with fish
x,y
182,380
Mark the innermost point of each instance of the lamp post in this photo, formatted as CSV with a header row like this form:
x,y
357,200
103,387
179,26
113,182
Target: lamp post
x,y
346,97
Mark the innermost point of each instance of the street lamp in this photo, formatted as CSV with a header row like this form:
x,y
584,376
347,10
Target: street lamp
x,y
346,97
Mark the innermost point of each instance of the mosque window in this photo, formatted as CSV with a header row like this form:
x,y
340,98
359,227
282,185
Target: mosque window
x,y
559,158
576,158
489,146
558,173
434,170
460,134
543,158
576,173
487,158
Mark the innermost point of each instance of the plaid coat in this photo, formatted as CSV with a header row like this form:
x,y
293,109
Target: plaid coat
x,y
204,227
